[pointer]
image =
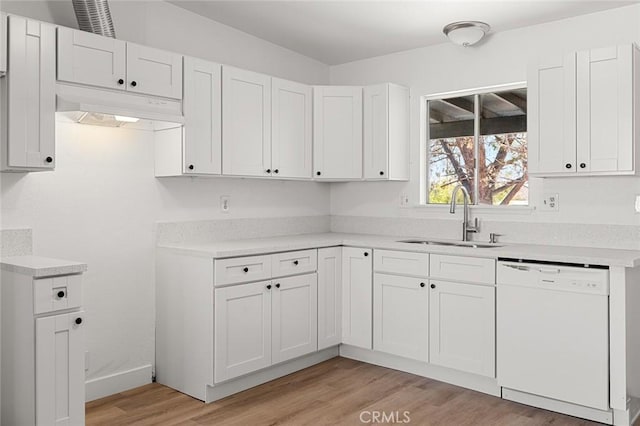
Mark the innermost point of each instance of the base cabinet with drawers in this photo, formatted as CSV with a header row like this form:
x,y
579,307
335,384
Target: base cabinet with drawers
x,y
42,350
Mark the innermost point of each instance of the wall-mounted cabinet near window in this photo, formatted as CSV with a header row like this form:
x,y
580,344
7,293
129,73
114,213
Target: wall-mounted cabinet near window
x,y
581,119
386,132
28,97
337,132
94,60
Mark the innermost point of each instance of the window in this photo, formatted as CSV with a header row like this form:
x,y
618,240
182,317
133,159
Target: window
x,y
480,141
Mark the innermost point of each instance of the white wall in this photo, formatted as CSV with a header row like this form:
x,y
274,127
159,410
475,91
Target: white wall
x,y
501,59
100,204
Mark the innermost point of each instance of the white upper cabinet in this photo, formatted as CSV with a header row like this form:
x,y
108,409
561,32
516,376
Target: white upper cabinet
x,y
337,132
605,95
246,123
581,113
551,115
30,96
91,59
3,43
95,60
291,130
202,106
386,132
153,71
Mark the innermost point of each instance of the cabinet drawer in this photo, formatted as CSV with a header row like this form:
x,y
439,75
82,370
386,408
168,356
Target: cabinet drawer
x,y
242,269
401,262
57,293
294,263
460,268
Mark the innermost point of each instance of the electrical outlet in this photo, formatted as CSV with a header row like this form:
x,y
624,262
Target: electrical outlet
x,y
637,203
550,203
224,203
404,200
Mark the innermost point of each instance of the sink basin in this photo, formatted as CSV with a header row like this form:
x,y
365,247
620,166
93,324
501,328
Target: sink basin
x,y
470,244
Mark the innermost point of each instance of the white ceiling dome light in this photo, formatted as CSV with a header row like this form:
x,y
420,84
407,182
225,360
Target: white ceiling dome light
x,y
466,33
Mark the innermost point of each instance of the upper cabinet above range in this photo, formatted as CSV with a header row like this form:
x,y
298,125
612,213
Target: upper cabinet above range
x,y
581,113
94,60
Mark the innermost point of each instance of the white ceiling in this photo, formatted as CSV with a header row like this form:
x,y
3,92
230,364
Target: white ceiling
x,y
336,32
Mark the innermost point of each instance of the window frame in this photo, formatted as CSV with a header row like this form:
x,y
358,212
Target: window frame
x,y
425,138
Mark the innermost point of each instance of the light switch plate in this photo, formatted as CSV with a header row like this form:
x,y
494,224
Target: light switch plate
x,y
550,203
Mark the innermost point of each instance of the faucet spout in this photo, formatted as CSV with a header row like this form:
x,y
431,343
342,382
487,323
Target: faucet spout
x,y
466,199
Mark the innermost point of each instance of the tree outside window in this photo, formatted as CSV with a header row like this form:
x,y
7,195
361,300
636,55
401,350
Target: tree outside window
x,y
479,141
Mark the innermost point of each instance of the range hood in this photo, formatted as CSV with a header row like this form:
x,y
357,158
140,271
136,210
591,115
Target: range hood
x,y
109,108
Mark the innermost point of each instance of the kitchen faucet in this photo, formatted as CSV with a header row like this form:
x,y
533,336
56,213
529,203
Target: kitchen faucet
x,y
466,199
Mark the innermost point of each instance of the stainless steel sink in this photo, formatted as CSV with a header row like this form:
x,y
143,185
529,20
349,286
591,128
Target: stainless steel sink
x,y
469,244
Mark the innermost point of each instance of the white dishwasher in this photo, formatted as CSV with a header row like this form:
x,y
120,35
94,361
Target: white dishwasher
x,y
553,332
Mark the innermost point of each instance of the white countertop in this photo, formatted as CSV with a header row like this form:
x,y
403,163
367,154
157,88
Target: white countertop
x,y
37,266
578,255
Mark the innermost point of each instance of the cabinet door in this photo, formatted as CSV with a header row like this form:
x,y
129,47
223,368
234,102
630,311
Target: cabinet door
x,y
357,295
329,296
31,97
242,329
154,72
462,327
202,107
291,146
376,132
246,123
337,132
60,370
3,43
605,109
91,59
401,316
551,116
294,317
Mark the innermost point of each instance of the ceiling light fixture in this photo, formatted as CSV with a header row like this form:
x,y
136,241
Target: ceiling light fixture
x,y
466,33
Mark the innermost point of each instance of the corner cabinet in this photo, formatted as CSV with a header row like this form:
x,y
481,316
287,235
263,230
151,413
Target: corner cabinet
x,y
386,132
581,113
329,297
28,99
357,297
337,132
94,60
246,123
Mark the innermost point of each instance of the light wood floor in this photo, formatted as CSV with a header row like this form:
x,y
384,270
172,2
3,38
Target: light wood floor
x,y
332,393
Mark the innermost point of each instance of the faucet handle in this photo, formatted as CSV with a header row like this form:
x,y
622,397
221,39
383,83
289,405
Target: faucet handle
x,y
493,237
475,227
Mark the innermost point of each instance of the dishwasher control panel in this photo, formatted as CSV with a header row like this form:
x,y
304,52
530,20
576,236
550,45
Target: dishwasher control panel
x,y
554,277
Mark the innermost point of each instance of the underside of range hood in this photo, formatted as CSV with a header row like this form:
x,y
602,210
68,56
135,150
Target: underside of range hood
x,y
117,109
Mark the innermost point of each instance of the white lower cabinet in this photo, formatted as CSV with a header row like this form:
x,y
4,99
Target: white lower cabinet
x,y
357,294
329,297
462,326
42,350
401,316
60,370
242,329
294,317
264,323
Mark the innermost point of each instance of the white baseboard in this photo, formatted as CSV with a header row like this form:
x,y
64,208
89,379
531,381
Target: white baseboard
x,y
118,382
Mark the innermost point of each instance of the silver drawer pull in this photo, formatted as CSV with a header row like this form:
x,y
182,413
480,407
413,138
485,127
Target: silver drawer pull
x,y
549,270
